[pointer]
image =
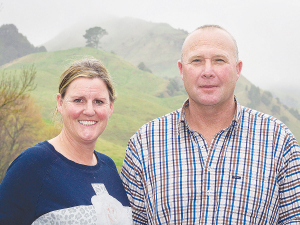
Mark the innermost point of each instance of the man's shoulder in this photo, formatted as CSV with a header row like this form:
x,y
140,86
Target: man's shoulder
x,y
167,118
264,118
259,115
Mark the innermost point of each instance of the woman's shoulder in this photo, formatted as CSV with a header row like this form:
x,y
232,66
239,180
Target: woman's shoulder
x,y
38,154
39,149
21,185
106,160
33,162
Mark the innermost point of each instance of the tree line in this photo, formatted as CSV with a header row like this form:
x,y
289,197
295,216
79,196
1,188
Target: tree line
x,y
256,97
21,124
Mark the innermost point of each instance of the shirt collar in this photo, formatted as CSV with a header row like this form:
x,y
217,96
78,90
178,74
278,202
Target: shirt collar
x,y
237,116
235,121
182,123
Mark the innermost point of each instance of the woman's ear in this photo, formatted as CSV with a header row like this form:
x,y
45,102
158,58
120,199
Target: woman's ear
x,y
59,102
111,108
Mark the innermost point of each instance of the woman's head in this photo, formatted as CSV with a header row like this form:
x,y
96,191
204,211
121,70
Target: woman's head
x,y
85,100
89,68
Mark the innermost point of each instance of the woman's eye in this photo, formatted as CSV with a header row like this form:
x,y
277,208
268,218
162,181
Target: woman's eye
x,y
78,100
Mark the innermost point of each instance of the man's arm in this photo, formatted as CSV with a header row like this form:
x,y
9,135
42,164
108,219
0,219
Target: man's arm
x,y
133,181
289,184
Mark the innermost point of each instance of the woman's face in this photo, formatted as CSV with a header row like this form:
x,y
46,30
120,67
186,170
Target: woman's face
x,y
85,109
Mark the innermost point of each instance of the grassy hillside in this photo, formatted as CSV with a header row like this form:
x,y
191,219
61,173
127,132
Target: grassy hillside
x,y
290,97
158,45
274,107
137,91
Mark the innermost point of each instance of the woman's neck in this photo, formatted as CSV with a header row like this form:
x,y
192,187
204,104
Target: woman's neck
x,y
73,150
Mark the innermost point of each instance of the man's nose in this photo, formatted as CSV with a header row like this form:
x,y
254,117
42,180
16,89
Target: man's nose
x,y
207,69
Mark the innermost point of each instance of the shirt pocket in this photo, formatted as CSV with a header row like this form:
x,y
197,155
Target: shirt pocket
x,y
248,196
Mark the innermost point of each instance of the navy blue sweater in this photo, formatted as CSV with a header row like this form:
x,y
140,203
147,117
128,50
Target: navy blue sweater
x,y
41,180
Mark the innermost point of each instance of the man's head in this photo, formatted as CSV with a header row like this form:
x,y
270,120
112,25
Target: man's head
x,y
214,27
209,66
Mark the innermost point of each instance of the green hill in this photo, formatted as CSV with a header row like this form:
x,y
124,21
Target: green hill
x,y
158,45
139,95
290,97
271,106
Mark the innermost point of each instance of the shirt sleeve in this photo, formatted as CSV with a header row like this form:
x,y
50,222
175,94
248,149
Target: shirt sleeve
x,y
133,181
289,184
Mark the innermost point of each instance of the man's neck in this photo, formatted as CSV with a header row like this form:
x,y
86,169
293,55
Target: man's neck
x,y
209,120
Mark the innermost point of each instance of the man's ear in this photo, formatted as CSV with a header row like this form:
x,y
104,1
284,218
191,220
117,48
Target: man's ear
x,y
239,66
180,68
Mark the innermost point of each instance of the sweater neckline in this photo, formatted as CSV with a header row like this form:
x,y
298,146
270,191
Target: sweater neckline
x,y
72,163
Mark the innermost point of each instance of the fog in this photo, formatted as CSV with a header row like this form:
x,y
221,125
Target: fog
x,y
267,31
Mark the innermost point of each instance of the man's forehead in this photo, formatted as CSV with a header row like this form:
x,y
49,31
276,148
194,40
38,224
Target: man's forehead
x,y
209,37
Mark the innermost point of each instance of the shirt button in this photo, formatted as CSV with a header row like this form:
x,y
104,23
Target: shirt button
x,y
209,168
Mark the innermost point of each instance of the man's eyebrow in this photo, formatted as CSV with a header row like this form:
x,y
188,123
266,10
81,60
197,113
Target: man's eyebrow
x,y
196,56
220,55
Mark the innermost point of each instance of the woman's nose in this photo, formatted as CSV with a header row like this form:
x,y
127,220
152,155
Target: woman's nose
x,y
89,109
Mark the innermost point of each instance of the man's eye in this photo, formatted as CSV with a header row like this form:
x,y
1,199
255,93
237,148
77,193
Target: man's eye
x,y
220,60
98,102
196,61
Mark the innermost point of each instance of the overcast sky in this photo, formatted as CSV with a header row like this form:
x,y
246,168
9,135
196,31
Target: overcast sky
x,y
267,31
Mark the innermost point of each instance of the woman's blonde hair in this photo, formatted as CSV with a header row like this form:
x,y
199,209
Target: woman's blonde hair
x,y
89,68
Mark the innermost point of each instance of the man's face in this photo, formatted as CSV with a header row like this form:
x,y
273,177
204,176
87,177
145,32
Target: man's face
x,y
208,68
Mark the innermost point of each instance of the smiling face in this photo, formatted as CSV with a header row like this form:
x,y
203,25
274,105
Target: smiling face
x,y
85,109
208,68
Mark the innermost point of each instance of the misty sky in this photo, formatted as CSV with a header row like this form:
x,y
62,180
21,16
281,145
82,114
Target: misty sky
x,y
267,31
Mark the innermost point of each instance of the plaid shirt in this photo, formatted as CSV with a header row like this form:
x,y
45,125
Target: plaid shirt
x,y
250,174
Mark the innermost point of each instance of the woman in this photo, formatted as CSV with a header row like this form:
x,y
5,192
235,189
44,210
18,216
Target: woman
x,y
63,180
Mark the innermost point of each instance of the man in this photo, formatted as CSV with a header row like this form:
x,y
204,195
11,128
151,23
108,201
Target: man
x,y
213,161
